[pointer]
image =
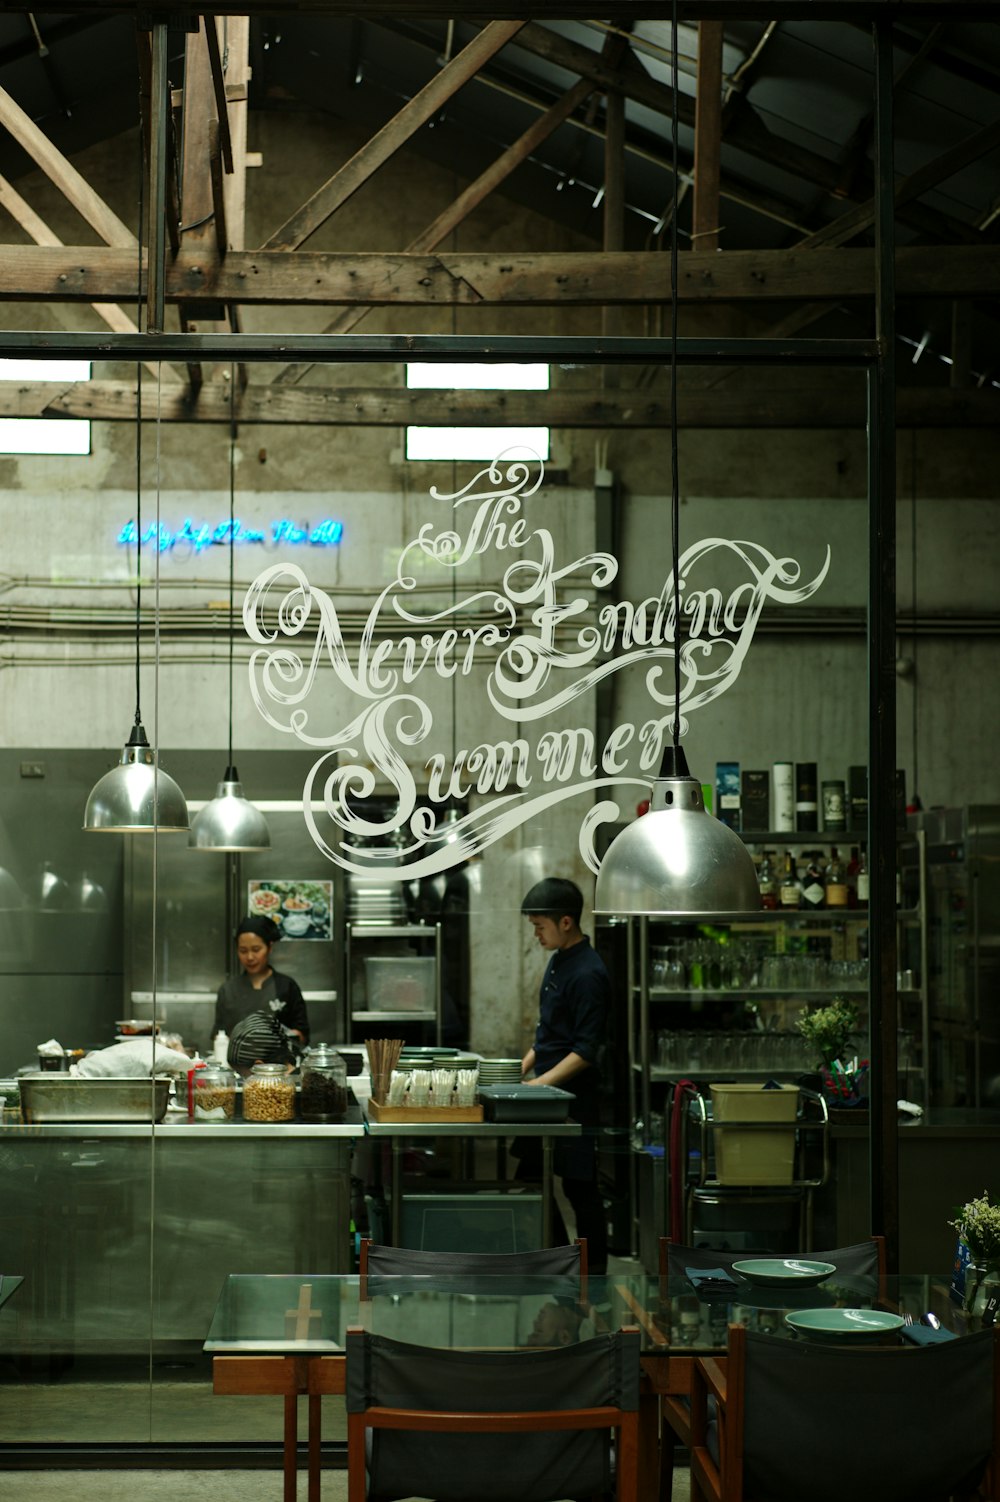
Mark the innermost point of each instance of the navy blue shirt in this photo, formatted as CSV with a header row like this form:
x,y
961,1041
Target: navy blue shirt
x,y
573,1011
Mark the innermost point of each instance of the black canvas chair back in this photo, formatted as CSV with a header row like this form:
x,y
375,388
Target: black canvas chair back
x,y
862,1259
528,1465
901,1423
558,1271
676,1258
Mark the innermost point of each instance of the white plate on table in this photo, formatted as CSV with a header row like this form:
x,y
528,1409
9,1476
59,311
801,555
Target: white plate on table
x,y
844,1324
783,1272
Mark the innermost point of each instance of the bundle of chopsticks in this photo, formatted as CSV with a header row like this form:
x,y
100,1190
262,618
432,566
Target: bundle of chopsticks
x,y
383,1056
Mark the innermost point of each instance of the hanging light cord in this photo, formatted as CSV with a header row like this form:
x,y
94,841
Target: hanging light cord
x,y
138,413
138,532
232,546
675,501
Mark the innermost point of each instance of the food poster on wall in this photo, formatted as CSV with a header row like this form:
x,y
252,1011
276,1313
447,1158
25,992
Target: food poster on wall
x,y
301,909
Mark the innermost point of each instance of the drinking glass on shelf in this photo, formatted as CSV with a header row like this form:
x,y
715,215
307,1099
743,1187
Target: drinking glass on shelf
x,y
674,969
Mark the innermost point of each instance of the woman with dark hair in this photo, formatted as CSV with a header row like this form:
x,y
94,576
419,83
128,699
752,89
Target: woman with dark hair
x,y
259,988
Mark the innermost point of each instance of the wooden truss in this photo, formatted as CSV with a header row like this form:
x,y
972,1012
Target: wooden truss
x,y
195,267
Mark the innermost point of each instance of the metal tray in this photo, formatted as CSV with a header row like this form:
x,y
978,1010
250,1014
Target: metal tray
x,y
525,1102
53,1097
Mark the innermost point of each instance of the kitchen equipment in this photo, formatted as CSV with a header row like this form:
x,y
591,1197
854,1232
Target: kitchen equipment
x,y
324,1085
53,1098
269,1094
213,1093
525,1102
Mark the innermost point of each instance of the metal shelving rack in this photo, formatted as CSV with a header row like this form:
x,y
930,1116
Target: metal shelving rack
x,y
363,934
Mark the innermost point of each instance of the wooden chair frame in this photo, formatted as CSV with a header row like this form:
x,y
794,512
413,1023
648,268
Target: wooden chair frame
x,y
722,1381
675,1406
624,1422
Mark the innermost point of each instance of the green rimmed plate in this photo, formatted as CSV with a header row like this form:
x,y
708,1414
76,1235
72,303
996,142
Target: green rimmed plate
x,y
783,1272
846,1324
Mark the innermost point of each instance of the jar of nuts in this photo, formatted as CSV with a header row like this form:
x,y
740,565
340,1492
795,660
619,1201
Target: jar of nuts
x,y
324,1084
269,1093
213,1092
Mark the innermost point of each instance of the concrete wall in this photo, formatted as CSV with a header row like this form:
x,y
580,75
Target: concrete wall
x,y
799,696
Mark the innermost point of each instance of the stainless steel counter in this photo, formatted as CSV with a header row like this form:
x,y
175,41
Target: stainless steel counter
x,y
173,1127
125,1229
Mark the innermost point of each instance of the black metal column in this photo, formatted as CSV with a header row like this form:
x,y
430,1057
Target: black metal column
x,y
884,1144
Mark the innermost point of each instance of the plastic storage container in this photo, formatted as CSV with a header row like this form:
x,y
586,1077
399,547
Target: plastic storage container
x,y
324,1085
754,1157
269,1094
399,983
213,1093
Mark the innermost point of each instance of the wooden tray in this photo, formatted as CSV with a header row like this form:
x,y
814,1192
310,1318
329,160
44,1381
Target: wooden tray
x,y
417,1114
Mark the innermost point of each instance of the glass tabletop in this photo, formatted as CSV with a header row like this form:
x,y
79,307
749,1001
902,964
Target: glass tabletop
x,y
298,1314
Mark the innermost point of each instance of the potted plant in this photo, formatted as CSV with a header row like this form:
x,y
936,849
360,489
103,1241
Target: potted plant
x,y
978,1225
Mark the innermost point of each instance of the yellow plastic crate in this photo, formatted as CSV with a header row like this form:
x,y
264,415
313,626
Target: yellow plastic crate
x,y
754,1157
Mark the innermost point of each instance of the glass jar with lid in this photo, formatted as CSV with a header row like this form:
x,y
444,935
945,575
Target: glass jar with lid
x,y
324,1085
213,1093
269,1093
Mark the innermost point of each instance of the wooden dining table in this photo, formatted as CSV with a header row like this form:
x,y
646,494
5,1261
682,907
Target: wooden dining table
x,y
283,1334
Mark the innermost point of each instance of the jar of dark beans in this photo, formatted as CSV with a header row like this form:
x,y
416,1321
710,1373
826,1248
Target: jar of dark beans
x,y
324,1085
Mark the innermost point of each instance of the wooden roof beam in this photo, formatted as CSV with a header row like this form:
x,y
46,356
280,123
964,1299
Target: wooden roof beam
x,y
806,403
846,226
571,279
707,138
35,226
387,141
460,208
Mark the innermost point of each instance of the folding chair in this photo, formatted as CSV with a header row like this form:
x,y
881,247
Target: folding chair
x,y
439,1423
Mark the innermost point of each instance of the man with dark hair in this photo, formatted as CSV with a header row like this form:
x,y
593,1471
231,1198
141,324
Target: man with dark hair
x,y
572,1023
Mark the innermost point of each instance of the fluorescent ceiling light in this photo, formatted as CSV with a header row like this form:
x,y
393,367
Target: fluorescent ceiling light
x,y
44,435
465,377
474,443
44,370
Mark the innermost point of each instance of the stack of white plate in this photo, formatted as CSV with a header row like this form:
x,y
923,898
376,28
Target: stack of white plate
x,y
372,901
500,1071
433,1058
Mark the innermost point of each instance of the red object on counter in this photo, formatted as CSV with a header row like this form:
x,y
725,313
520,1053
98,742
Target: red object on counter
x,y
190,1079
642,808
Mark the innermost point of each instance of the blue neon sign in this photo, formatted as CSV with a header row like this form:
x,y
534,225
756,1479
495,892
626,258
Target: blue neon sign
x,y
324,534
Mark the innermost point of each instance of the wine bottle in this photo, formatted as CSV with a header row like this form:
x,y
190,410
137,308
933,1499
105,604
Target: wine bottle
x,y
790,892
767,883
812,880
835,881
863,882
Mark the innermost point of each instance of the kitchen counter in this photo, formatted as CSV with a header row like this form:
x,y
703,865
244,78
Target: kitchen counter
x,y
90,1208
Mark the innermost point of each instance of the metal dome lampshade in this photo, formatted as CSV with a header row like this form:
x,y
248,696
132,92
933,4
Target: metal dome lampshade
x,y
676,859
229,822
137,796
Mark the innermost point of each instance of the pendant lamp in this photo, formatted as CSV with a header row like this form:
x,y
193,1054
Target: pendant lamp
x,y
676,859
137,796
230,822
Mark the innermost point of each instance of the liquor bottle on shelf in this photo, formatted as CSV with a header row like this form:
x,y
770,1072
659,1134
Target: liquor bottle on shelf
x,y
852,878
806,802
790,891
767,882
812,879
835,881
863,882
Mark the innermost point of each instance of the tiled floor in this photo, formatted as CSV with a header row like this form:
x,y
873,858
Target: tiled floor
x,y
180,1486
